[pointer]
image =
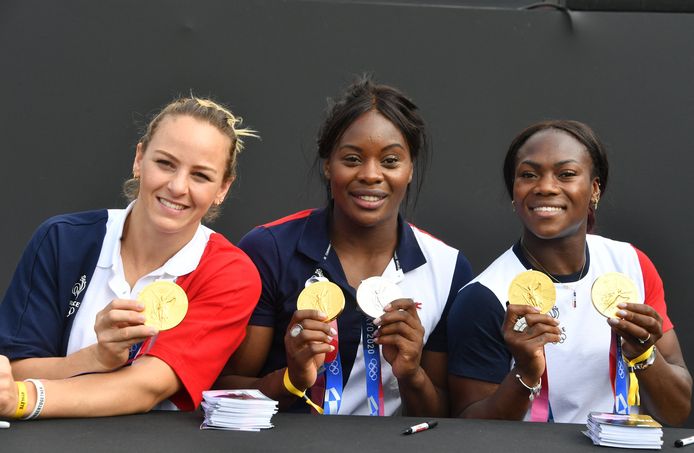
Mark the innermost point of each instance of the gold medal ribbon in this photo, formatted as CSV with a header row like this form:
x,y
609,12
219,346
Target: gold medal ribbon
x,y
295,391
634,398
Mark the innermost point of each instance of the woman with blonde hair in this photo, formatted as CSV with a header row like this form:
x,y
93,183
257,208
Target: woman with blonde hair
x,y
73,335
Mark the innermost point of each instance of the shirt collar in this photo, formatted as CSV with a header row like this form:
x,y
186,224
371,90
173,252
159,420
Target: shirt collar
x,y
183,262
110,249
187,259
315,240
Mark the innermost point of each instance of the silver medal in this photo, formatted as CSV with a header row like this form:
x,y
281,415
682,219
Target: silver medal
x,y
375,293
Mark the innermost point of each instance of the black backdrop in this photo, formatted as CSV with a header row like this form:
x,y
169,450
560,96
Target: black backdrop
x,y
80,77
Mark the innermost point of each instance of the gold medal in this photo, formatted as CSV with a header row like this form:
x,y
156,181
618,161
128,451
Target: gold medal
x,y
165,304
532,288
612,289
322,296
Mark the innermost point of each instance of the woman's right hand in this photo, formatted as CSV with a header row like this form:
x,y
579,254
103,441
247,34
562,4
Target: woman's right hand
x,y
527,347
118,326
306,346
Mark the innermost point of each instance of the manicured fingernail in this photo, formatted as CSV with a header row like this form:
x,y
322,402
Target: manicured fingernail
x,y
140,307
621,313
377,321
141,319
538,309
622,305
322,314
153,331
613,321
330,339
388,307
332,348
333,332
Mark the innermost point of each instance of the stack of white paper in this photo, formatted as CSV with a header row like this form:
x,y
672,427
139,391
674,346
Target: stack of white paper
x,y
624,431
246,410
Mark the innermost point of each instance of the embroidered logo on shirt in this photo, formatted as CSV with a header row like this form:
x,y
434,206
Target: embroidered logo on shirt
x,y
79,286
77,289
554,313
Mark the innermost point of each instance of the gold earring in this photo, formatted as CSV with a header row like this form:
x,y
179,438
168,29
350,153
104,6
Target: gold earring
x,y
595,203
513,205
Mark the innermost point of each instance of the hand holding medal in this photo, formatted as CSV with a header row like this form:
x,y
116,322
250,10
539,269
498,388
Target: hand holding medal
x,y
636,328
400,332
309,334
527,327
122,323
615,296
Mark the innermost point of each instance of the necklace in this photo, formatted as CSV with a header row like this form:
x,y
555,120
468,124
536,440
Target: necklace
x,y
536,263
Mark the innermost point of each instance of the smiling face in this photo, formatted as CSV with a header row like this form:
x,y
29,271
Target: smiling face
x,y
369,171
181,174
554,184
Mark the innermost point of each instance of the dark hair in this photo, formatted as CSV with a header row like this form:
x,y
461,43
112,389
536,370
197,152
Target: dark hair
x,y
363,96
581,132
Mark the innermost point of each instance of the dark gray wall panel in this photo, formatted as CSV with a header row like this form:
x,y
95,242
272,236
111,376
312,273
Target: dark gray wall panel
x,y
78,77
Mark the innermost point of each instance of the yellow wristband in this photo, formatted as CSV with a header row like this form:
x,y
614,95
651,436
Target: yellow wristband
x,y
295,391
634,398
646,354
22,399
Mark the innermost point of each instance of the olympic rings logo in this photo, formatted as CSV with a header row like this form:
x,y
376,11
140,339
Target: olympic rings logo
x,y
333,368
373,369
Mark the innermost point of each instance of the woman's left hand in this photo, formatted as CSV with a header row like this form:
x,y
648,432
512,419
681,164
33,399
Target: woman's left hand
x,y
639,325
8,389
401,336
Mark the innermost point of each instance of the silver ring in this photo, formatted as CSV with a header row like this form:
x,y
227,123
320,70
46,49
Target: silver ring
x,y
645,340
520,325
296,330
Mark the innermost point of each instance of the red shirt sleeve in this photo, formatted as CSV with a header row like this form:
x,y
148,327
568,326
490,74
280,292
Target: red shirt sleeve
x,y
653,287
222,293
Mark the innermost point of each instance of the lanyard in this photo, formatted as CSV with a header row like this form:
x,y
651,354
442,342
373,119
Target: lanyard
x,y
619,376
540,410
372,365
332,372
138,350
333,379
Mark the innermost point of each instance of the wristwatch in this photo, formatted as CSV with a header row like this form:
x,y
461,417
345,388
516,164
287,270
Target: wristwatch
x,y
645,363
